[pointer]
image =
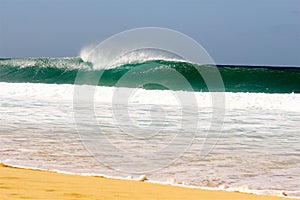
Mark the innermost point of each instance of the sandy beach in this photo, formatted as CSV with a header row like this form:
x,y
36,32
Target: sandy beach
x,y
17,183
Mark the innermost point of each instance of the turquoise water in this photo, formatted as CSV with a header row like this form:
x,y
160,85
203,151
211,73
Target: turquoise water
x,y
256,151
236,78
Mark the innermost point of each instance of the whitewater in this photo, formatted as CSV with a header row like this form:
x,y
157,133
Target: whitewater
x,y
257,150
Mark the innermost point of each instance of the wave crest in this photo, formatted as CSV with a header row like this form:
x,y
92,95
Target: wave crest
x,y
236,78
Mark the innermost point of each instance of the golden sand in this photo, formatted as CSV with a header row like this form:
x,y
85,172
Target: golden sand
x,y
16,183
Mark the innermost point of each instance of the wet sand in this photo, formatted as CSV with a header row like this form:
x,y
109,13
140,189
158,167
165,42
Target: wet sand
x,y
17,183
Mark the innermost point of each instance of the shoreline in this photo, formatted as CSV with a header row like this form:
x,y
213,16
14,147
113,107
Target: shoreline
x,y
20,183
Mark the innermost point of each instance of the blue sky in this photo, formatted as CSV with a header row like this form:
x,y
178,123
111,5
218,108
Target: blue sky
x,y
261,32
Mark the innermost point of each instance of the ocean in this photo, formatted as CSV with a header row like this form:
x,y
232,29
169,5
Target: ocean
x,y
151,133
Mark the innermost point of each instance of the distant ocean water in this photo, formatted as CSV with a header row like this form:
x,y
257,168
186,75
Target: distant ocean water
x,y
258,150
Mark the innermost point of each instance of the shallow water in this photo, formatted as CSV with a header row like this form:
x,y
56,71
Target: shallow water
x,y
258,148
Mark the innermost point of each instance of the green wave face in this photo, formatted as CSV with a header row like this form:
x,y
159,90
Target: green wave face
x,y
235,78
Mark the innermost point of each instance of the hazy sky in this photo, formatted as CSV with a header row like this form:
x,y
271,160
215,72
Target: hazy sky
x,y
232,31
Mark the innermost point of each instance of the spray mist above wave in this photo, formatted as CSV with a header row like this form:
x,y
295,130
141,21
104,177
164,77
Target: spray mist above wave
x,y
67,63
132,57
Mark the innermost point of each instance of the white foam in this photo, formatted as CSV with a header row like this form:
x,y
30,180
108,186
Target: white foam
x,y
50,92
